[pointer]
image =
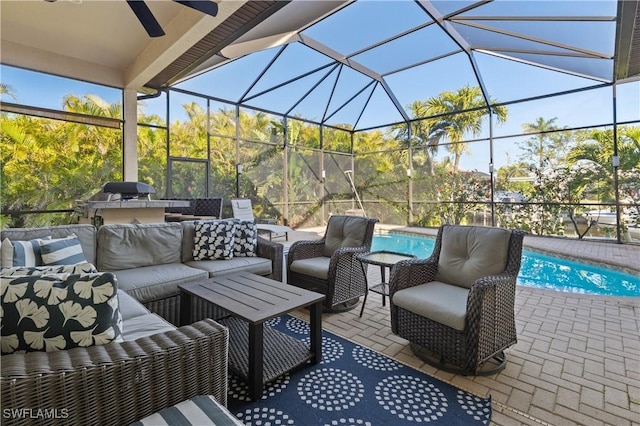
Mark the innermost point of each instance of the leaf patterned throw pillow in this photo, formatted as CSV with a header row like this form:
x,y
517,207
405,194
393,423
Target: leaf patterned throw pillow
x,y
79,268
214,240
245,243
59,311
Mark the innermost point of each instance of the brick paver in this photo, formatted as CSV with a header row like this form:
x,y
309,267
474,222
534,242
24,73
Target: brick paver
x,y
577,360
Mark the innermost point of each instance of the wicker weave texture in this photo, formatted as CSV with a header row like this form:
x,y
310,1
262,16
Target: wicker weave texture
x,y
118,383
282,353
345,280
490,320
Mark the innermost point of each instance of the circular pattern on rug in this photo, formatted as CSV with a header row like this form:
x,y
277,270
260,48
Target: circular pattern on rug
x,y
371,359
473,406
296,325
237,387
330,389
264,416
273,321
411,398
332,350
349,422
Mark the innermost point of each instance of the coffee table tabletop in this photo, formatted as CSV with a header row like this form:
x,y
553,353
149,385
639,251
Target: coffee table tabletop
x,y
258,353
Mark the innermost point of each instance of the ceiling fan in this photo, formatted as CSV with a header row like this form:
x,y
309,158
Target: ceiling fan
x,y
149,22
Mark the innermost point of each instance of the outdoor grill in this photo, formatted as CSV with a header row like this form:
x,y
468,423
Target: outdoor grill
x,y
128,190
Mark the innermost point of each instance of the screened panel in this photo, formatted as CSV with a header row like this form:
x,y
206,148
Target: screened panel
x,y
579,109
336,140
222,171
243,72
508,80
305,187
152,158
628,101
287,97
49,91
187,178
302,134
383,21
262,178
222,119
429,80
294,60
48,164
188,134
153,110
260,126
418,46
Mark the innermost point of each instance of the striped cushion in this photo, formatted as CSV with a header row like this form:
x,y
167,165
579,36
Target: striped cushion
x,y
199,410
62,251
21,253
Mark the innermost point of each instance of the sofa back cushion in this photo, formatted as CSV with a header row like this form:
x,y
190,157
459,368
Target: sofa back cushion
x,y
126,246
52,312
472,252
344,231
85,233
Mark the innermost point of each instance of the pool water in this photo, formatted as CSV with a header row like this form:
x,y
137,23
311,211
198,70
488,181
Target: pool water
x,y
537,270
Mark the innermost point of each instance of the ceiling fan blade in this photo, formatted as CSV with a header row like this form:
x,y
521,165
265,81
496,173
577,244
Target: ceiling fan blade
x,y
208,7
146,18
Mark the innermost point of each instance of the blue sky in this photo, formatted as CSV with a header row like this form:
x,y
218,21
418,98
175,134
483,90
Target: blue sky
x,y
375,21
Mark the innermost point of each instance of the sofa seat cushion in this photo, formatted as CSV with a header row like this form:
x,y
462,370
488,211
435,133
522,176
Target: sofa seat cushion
x,y
130,307
149,283
315,267
144,325
255,265
438,301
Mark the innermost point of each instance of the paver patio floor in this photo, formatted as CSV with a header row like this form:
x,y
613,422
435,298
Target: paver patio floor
x,y
577,360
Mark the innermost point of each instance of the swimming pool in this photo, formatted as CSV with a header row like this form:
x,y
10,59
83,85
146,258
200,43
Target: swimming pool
x,y
538,270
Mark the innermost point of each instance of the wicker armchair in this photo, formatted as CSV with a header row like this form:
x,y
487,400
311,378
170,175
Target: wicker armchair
x,y
118,383
329,265
456,308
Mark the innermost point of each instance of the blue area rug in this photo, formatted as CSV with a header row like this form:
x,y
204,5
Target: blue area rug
x,y
354,385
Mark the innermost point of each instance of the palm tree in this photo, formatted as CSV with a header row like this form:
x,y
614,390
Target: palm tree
x,y
458,114
6,89
539,145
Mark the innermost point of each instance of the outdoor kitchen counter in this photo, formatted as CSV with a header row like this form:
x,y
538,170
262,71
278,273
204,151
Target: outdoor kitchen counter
x,y
127,211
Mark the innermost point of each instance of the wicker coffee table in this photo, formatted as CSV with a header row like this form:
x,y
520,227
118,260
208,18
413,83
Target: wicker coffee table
x,y
257,353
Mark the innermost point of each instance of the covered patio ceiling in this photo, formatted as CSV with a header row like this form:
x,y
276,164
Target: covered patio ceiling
x,y
359,64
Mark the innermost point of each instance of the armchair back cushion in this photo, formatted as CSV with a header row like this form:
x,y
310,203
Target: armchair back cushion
x,y
344,231
469,253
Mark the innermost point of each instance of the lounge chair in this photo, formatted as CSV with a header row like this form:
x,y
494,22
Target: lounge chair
x,y
243,210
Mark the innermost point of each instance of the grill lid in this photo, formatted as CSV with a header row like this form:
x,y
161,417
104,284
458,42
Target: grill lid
x,y
128,189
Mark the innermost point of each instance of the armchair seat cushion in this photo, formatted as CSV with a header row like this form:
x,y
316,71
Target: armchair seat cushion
x,y
315,267
438,301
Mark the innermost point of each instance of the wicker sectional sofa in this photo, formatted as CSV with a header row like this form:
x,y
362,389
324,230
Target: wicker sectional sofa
x,y
157,365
